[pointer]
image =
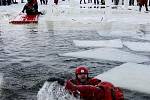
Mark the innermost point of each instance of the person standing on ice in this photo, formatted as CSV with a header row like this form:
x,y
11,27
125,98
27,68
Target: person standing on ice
x,y
81,2
31,8
142,3
42,2
96,2
91,88
89,1
56,2
46,1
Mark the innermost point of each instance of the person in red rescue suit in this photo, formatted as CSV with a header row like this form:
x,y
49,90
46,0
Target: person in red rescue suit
x,y
91,88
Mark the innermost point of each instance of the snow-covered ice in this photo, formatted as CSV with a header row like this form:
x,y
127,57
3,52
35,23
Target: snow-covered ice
x,y
131,76
116,43
138,46
109,54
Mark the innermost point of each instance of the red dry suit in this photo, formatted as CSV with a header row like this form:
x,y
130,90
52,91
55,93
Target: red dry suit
x,y
111,92
94,89
87,91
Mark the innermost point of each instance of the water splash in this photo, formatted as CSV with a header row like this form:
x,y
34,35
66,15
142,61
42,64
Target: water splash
x,y
54,91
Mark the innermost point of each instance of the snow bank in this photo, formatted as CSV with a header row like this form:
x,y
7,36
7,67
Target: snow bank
x,y
109,54
130,76
116,43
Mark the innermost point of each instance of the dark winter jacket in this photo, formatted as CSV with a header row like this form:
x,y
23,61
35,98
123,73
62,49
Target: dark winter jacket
x,y
142,2
30,8
86,91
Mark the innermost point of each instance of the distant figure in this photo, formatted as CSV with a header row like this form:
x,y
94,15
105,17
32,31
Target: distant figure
x,y
31,8
89,1
96,2
81,2
56,2
46,1
22,1
0,2
116,2
131,2
142,3
4,2
9,2
42,2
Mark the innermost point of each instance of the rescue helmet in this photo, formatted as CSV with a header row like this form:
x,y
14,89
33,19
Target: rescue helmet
x,y
81,70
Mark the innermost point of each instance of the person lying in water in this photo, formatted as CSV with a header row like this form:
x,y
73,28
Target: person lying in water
x,y
31,8
91,88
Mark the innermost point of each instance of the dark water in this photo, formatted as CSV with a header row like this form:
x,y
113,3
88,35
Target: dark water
x,y
29,57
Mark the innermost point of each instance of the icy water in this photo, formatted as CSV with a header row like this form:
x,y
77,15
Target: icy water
x,y
29,57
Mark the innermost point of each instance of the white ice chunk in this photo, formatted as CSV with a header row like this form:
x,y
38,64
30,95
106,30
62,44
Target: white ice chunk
x,y
109,54
43,93
116,43
130,76
138,46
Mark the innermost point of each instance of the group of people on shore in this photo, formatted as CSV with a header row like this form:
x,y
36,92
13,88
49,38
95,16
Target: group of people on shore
x,y
44,2
7,2
31,6
142,3
96,2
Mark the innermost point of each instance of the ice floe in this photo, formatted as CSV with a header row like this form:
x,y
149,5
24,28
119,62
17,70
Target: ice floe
x,y
116,43
111,54
130,76
138,46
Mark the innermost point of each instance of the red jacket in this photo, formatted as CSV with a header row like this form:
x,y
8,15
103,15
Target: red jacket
x,y
87,91
94,89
